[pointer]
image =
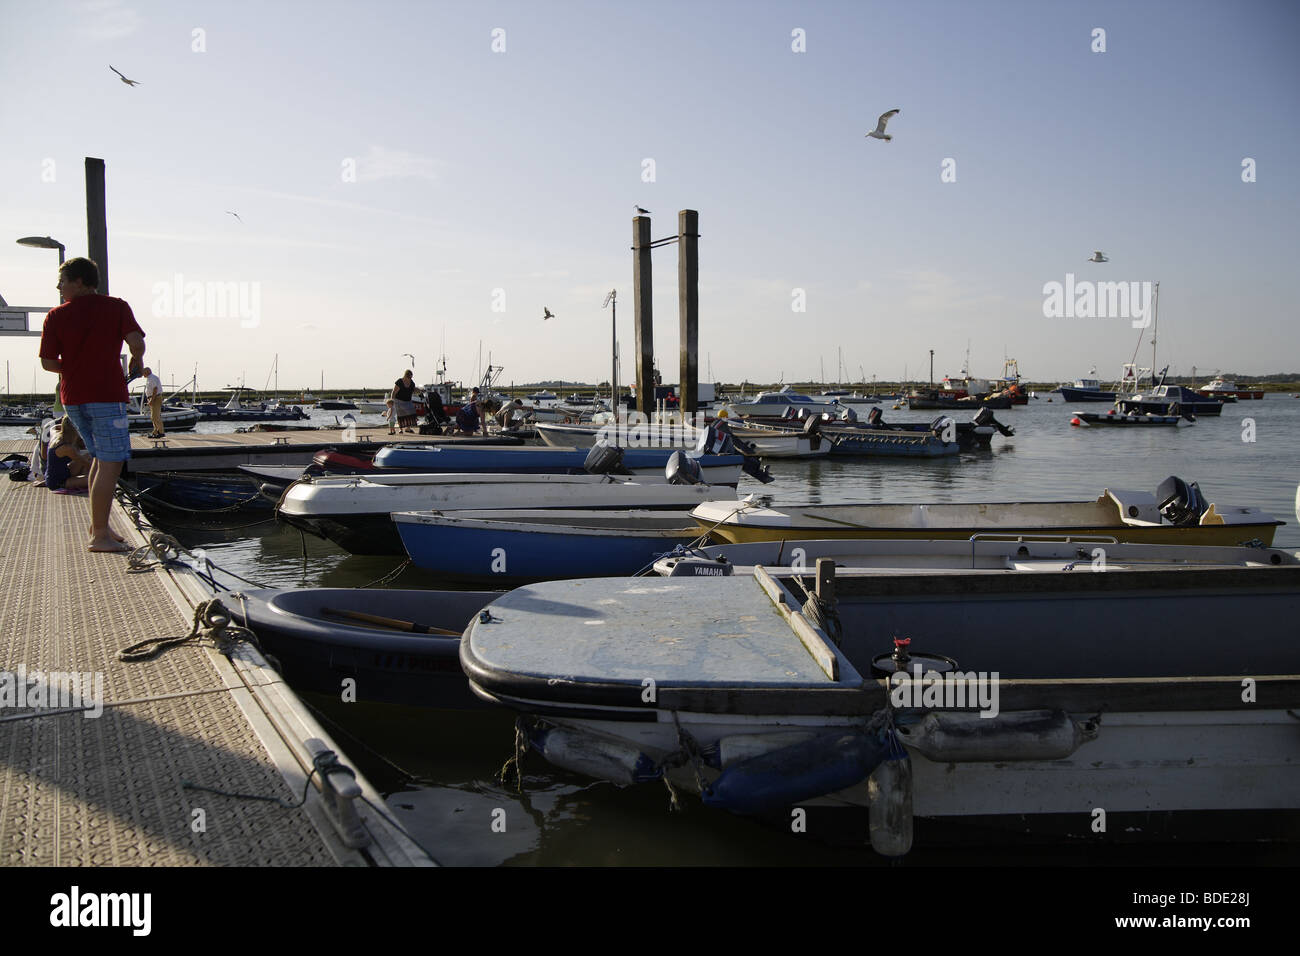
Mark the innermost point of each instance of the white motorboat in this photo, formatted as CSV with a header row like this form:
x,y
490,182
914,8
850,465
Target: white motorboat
x,y
354,511
785,403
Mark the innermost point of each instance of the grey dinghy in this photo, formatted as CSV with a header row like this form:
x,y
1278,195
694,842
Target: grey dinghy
x,y
1140,691
394,645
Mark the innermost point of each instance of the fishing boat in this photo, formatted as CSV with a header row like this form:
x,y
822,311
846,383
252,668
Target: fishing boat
x,y
1223,389
354,512
1171,400
235,410
1086,390
395,646
1131,419
974,434
519,545
876,697
785,403
542,395
1176,514
765,441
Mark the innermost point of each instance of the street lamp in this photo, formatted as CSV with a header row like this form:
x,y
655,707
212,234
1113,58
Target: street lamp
x,y
44,242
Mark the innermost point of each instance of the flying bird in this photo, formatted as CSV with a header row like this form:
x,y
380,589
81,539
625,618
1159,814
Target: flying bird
x,y
1097,257
235,214
547,314
644,212
124,79
879,131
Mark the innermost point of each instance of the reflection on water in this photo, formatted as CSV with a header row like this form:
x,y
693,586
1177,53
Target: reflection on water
x,y
440,767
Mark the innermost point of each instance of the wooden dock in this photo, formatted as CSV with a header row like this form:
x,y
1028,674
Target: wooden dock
x,y
122,788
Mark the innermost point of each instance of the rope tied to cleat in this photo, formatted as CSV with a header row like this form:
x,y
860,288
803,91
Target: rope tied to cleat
x,y
212,627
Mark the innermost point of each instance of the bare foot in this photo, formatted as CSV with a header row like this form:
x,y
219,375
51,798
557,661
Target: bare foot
x,y
111,533
107,545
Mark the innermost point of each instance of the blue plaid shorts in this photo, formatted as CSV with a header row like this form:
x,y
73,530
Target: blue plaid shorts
x,y
104,427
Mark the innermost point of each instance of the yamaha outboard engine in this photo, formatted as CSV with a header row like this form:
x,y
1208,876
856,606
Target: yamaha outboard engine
x,y
716,439
605,460
1181,504
876,417
985,417
682,470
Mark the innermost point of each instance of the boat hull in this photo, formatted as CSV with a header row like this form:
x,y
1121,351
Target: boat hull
x,y
516,548
318,651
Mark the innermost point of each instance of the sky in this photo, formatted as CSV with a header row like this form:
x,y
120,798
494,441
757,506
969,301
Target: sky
x,y
427,178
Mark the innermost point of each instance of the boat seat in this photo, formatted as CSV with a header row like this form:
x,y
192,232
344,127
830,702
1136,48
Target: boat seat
x,y
1135,507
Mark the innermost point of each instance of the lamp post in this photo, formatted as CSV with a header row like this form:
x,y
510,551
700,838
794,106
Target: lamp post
x,y
44,242
611,302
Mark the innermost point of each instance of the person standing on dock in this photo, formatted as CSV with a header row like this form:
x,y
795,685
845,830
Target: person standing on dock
x,y
154,396
404,402
81,340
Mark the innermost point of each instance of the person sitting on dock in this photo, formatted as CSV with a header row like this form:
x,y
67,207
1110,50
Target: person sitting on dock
x,y
65,461
81,340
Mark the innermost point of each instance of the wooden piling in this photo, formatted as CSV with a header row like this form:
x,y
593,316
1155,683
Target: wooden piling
x,y
97,220
643,306
688,306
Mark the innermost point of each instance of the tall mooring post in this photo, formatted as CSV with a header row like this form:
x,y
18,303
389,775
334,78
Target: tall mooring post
x,y
97,220
643,307
688,304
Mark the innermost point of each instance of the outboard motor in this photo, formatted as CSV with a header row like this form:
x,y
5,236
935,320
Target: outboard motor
x,y
985,417
877,417
848,415
812,424
941,425
716,438
1181,504
682,470
605,460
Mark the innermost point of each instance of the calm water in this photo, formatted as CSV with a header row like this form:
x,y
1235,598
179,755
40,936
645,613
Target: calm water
x,y
439,768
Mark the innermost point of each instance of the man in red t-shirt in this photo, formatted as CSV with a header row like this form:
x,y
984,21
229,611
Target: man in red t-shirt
x,y
81,340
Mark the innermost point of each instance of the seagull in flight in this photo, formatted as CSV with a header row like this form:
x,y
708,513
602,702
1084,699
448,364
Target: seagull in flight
x,y
124,79
879,131
1097,256
547,314
235,214
644,212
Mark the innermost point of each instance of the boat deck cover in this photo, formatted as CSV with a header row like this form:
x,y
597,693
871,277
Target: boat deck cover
x,y
697,632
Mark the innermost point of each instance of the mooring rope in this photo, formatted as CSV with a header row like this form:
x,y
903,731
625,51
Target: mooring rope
x,y
212,627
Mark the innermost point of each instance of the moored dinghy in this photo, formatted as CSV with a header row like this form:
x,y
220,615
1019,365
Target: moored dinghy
x,y
541,544
353,511
1176,514
399,647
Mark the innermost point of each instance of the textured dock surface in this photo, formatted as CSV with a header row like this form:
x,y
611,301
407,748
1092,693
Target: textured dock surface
x,y
108,790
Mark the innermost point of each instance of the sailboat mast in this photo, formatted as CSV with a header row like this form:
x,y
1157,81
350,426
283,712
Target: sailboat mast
x,y
1155,324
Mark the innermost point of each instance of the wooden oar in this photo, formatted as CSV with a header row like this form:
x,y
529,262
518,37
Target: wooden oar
x,y
389,622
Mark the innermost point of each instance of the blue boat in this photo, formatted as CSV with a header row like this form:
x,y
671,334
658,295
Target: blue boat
x,y
541,545
716,469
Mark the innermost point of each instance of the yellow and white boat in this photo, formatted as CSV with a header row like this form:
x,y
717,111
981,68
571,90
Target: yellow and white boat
x,y
1175,514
